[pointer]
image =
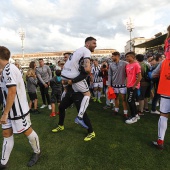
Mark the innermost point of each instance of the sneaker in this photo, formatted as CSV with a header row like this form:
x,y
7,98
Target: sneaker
x,y
146,110
140,113
53,114
49,107
94,99
59,128
99,101
158,145
106,107
80,121
36,111
89,137
43,106
131,120
3,166
155,112
138,117
35,157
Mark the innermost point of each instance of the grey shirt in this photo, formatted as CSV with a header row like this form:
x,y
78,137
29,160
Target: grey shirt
x,y
117,74
156,71
44,74
31,84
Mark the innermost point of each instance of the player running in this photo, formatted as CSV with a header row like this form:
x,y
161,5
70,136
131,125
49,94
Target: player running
x,y
78,62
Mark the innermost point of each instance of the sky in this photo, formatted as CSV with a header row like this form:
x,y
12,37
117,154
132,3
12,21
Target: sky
x,y
62,25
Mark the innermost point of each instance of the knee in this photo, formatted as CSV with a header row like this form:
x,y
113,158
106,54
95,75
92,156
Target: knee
x,y
7,133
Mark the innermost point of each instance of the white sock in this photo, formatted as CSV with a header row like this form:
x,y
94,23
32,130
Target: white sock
x,y
125,112
34,141
116,109
6,149
99,95
162,126
84,105
95,94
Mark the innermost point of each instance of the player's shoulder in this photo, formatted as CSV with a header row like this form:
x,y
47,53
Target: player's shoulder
x,y
83,49
10,68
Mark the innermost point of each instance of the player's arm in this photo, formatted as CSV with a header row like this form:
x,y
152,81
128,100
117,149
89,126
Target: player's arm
x,y
87,66
139,77
156,72
9,102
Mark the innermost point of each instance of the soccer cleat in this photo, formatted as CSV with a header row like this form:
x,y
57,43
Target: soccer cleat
x,y
131,120
35,157
80,121
99,101
155,112
94,99
43,106
53,114
89,137
158,144
3,166
59,128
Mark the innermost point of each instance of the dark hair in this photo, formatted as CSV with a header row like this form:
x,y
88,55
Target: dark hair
x,y
130,53
104,66
158,56
168,34
31,65
58,72
89,39
116,53
139,57
149,55
4,53
67,53
40,59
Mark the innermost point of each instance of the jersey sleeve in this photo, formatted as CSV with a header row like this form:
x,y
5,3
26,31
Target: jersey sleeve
x,y
10,76
87,54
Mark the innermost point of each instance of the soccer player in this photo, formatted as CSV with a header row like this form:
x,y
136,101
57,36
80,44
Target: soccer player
x,y
117,80
97,80
163,71
133,72
15,118
80,62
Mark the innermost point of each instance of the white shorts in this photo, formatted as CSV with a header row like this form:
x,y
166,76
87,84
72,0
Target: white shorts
x,y
165,105
18,126
98,85
80,86
122,90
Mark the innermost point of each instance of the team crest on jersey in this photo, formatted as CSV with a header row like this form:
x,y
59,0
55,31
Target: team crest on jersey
x,y
9,79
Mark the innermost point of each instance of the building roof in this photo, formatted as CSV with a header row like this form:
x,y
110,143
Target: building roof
x,y
154,42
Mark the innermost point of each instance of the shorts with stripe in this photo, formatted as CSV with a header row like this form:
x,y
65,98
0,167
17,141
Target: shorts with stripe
x,y
165,105
98,85
80,86
122,90
18,126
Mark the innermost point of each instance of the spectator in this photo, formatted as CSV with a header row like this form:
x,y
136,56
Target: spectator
x,y
44,76
56,86
32,88
52,69
58,67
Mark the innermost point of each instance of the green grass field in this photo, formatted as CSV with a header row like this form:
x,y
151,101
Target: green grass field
x,y
117,146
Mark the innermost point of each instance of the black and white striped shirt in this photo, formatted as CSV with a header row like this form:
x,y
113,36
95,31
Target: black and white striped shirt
x,y
11,76
95,70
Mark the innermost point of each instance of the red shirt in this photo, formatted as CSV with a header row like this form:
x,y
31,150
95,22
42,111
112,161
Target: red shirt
x,y
132,70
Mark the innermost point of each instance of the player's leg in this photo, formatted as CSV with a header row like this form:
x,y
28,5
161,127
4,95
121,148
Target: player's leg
x,y
34,142
100,87
123,92
42,88
116,109
65,103
47,97
36,111
95,88
8,144
53,101
162,123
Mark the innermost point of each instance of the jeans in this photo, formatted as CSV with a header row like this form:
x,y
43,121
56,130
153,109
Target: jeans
x,y
131,98
44,94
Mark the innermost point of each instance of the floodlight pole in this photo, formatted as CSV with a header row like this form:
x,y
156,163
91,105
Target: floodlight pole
x,y
22,36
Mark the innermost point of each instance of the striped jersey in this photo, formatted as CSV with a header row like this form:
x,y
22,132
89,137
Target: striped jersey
x,y
11,76
95,70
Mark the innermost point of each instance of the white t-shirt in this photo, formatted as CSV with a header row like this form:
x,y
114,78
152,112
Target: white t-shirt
x,y
11,76
72,66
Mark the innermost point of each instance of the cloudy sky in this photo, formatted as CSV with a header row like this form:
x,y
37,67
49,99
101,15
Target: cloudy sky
x,y
55,25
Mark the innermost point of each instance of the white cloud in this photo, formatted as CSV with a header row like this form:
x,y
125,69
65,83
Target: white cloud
x,y
53,25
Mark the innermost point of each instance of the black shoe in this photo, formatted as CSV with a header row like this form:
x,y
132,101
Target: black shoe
x,y
146,110
36,111
35,157
3,166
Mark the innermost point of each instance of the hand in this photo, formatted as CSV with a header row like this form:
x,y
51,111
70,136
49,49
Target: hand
x,y
133,87
48,83
70,82
46,86
4,119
